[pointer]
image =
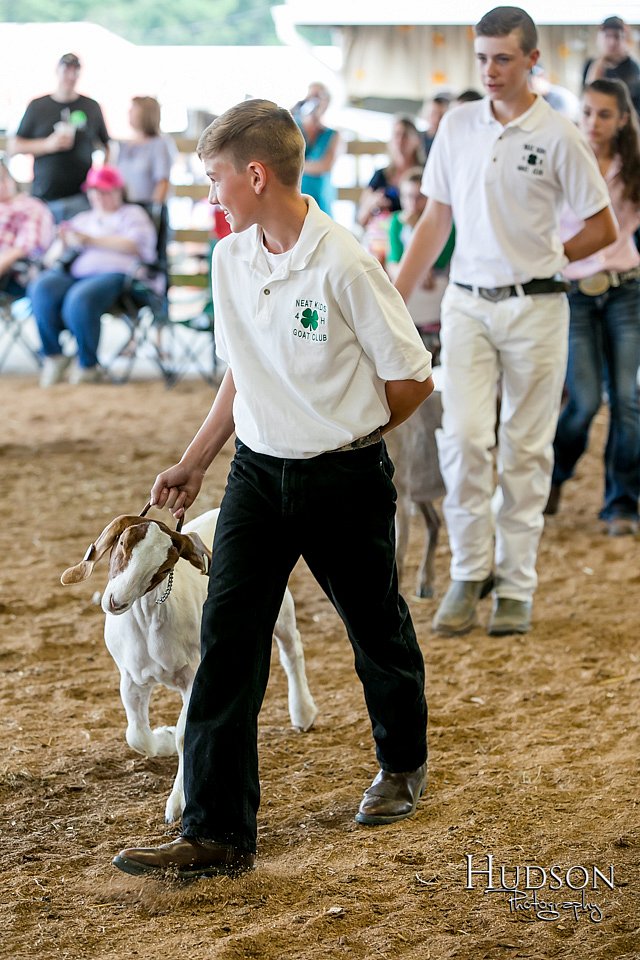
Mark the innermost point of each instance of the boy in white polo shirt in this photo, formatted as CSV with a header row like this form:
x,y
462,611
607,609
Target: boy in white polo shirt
x,y
501,169
323,358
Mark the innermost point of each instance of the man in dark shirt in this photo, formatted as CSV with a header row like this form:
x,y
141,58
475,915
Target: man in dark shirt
x,y
61,131
614,62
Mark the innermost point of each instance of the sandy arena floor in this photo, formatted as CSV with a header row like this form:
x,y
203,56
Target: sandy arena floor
x,y
533,740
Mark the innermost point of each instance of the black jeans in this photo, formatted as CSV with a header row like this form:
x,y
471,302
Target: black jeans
x,y
337,511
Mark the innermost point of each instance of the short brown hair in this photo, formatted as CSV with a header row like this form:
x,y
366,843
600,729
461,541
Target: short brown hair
x,y
257,130
501,21
149,115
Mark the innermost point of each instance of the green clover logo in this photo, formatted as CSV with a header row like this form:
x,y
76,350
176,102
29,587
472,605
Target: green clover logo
x,y
309,318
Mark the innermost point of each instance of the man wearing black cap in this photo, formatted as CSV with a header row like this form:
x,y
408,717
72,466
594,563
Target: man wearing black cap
x,y
61,131
614,62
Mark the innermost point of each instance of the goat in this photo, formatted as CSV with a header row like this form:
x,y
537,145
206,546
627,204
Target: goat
x,y
412,447
157,642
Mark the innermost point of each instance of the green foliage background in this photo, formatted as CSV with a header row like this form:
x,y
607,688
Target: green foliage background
x,y
234,22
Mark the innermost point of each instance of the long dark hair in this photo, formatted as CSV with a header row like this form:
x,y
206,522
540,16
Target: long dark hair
x,y
627,140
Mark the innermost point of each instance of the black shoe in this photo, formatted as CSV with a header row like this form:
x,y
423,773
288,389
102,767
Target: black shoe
x,y
186,859
622,527
392,797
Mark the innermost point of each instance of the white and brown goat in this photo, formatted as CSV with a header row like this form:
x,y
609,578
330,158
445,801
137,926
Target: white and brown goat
x,y
154,638
412,448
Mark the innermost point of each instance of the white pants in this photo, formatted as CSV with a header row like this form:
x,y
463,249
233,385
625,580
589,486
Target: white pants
x,y
519,344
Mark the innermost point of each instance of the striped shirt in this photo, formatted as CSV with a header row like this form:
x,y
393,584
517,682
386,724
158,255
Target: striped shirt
x,y
26,224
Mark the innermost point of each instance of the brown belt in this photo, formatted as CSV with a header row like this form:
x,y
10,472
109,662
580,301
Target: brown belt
x,y
599,283
374,437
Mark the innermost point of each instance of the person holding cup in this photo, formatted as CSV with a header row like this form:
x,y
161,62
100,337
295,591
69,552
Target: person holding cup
x,y
61,131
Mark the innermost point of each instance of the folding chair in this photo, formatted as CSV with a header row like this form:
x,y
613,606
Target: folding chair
x,y
16,317
144,312
193,339
194,344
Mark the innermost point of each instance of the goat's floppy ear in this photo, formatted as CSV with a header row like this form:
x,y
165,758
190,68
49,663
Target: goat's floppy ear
x,y
192,548
84,569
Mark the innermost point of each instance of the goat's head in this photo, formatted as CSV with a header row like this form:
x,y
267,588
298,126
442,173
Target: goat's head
x,y
142,554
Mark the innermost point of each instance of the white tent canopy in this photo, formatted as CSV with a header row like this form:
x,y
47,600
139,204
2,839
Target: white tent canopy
x,y
410,49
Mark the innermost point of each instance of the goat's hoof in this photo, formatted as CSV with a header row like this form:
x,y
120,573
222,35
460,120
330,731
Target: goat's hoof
x,y
425,593
304,719
164,742
173,809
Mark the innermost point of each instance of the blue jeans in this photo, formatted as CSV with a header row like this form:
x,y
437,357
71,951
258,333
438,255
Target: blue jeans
x,y
604,347
60,302
337,511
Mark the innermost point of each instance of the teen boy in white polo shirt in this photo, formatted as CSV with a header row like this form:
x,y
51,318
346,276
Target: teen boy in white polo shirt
x,y
323,357
501,168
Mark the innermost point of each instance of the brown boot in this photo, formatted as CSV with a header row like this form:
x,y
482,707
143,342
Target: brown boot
x,y
457,611
186,859
392,797
509,616
553,503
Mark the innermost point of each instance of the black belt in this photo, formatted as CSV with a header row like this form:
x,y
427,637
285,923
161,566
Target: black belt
x,y
494,294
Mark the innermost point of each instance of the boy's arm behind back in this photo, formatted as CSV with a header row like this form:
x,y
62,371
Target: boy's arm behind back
x,y
598,231
404,397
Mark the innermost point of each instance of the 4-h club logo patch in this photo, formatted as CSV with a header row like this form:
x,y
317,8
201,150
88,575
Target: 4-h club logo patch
x,y
532,160
312,319
309,319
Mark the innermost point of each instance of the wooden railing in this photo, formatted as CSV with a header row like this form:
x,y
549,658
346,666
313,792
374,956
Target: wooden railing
x,y
191,240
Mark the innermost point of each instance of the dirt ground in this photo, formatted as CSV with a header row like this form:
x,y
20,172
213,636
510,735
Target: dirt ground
x,y
533,740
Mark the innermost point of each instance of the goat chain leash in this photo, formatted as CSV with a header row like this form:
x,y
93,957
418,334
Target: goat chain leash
x,y
168,590
169,586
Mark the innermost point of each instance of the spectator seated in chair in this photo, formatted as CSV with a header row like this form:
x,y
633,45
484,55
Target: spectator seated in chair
x,y
99,251
26,231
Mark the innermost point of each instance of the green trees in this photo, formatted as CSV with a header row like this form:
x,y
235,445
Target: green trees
x,y
158,21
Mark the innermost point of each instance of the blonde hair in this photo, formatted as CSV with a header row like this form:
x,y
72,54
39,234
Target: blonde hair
x,y
149,115
257,130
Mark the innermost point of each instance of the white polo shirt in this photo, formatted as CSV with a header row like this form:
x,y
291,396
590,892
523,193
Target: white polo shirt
x,y
312,343
506,187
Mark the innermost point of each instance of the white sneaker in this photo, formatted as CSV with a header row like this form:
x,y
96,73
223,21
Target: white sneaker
x,y
87,375
54,369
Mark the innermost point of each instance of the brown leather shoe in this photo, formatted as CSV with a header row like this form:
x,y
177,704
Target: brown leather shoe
x,y
392,796
186,859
